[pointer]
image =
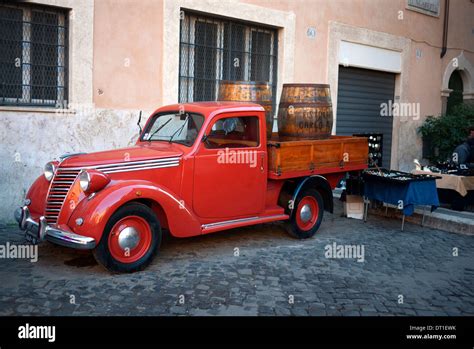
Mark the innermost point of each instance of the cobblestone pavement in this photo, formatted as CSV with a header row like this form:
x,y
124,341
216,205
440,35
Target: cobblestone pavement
x,y
403,273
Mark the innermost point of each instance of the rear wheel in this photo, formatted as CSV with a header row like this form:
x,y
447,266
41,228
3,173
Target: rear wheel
x,y
130,239
307,214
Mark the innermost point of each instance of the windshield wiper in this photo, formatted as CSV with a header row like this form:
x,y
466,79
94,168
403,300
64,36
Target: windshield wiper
x,y
179,129
158,129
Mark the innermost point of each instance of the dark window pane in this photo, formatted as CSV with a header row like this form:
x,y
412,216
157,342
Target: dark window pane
x,y
234,50
261,54
205,39
44,56
240,132
11,23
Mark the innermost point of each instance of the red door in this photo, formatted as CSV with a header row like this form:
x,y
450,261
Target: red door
x,y
230,168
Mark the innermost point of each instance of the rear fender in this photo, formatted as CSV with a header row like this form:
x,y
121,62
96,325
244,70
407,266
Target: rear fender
x,y
96,211
319,183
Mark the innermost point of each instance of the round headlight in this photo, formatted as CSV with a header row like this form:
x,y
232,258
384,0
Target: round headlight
x,y
49,171
84,180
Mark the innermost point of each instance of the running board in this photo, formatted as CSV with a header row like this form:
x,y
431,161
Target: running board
x,y
235,223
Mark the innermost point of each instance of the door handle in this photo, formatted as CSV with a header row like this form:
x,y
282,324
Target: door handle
x,y
262,163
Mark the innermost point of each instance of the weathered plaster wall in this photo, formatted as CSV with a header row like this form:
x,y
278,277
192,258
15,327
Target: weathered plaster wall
x,y
31,139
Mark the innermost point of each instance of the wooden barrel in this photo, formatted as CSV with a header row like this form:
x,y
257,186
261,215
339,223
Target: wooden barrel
x,y
250,91
305,112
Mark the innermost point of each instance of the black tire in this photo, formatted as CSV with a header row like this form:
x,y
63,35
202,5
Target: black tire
x,y
102,253
291,225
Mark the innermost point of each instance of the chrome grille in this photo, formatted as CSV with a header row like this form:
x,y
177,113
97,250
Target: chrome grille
x,y
62,182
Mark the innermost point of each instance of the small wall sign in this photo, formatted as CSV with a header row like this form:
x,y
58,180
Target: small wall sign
x,y
428,7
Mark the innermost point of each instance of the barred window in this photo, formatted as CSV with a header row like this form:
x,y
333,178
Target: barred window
x,y
33,56
214,49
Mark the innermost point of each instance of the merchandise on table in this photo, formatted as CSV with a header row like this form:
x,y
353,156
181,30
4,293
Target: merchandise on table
x,y
450,168
392,175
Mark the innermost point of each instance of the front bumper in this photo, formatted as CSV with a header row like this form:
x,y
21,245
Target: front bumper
x,y
39,231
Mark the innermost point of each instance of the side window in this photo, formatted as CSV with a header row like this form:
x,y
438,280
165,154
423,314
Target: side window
x,y
237,132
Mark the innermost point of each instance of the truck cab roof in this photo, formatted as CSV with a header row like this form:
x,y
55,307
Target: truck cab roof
x,y
208,108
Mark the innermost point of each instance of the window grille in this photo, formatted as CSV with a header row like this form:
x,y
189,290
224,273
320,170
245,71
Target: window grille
x,y
33,56
214,49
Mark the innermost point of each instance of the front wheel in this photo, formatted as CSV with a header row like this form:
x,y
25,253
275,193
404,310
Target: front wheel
x,y
130,239
307,215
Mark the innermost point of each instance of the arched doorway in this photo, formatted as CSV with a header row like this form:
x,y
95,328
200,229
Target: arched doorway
x,y
458,83
456,87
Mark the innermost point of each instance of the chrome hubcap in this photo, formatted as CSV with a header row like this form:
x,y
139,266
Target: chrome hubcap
x,y
305,213
128,238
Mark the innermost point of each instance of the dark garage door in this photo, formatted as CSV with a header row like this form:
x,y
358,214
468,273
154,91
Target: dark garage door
x,y
360,93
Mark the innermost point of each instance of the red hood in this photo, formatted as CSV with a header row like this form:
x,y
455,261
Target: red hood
x,y
136,153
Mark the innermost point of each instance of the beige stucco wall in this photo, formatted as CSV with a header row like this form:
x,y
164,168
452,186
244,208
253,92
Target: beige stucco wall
x,y
128,38
123,58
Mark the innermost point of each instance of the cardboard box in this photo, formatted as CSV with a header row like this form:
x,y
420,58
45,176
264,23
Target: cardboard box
x,y
354,207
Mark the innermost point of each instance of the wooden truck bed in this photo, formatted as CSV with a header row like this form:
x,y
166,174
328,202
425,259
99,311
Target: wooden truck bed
x,y
287,159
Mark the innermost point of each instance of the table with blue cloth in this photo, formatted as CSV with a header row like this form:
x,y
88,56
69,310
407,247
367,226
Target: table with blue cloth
x,y
396,192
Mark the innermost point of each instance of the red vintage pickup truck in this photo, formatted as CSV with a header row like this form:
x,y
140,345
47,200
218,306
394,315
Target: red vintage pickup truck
x,y
196,168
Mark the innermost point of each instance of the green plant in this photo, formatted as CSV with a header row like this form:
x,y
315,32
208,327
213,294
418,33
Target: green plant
x,y
443,133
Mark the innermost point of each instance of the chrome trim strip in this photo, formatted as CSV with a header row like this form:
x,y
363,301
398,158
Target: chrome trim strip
x,y
141,168
210,225
138,166
249,219
135,163
121,164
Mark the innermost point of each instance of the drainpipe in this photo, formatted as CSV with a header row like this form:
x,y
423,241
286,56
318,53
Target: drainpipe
x,y
445,28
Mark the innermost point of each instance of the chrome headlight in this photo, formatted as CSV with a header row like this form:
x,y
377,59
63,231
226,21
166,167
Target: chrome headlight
x,y
84,180
92,181
49,170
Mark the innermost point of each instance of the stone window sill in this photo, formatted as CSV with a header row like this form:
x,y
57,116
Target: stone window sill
x,y
44,110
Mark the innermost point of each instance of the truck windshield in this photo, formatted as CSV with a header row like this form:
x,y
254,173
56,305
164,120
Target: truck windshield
x,y
174,127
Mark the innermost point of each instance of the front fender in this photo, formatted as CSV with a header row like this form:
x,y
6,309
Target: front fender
x,y
37,194
96,211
